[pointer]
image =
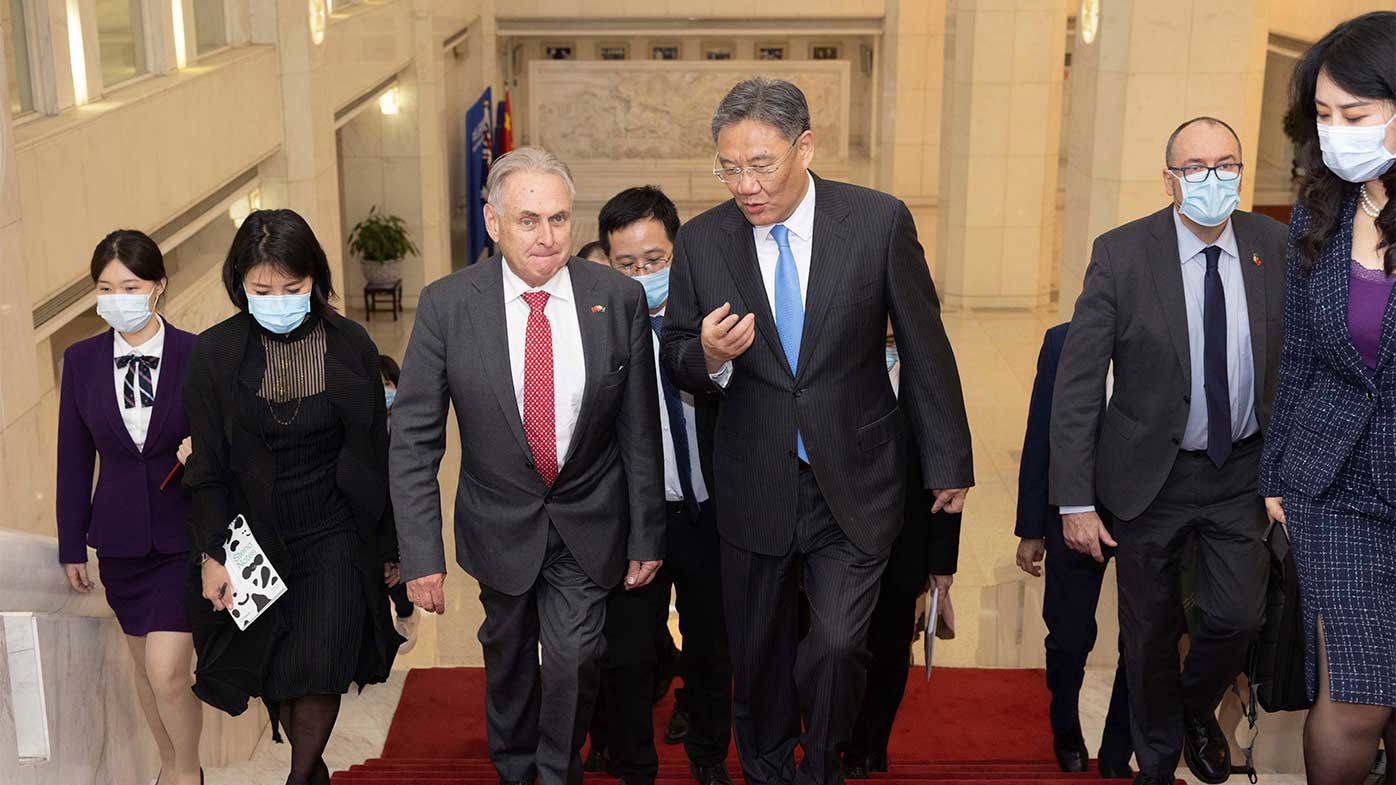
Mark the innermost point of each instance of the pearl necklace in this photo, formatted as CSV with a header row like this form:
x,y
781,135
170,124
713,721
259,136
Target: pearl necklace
x,y
1368,206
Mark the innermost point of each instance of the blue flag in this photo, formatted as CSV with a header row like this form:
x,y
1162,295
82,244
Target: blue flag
x,y
478,156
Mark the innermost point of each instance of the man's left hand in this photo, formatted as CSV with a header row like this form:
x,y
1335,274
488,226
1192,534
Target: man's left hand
x,y
942,583
951,500
641,573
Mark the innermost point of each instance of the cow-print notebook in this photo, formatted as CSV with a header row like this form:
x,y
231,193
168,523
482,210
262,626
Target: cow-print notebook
x,y
256,584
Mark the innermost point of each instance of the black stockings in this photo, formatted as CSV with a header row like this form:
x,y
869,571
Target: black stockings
x,y
1340,739
308,722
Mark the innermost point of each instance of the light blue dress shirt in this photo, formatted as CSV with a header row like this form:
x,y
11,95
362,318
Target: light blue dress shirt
x,y
1240,364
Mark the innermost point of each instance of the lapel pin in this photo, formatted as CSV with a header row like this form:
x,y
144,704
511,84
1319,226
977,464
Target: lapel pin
x,y
1255,259
598,309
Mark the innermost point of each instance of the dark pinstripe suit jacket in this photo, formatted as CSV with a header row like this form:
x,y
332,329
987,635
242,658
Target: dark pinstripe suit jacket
x,y
1328,399
866,265
1132,311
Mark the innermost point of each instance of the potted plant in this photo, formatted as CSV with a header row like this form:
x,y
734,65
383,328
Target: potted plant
x,y
381,241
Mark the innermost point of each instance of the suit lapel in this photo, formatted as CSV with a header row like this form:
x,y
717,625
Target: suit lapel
x,y
1331,288
596,342
486,312
1253,278
108,401
827,264
171,377
746,272
1167,270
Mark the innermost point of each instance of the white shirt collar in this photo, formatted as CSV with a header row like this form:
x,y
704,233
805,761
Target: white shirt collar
x,y
801,222
559,286
1190,247
154,347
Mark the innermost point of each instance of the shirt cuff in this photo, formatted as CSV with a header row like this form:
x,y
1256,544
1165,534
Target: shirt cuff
x,y
723,375
1077,510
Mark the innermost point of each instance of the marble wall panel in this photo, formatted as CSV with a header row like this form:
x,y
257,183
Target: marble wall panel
x,y
661,110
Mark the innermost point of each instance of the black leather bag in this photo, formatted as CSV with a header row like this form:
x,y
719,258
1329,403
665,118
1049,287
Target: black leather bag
x,y
1277,678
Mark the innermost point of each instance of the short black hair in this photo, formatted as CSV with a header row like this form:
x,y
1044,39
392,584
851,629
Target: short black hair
x,y
282,239
390,368
594,245
136,250
1173,137
637,204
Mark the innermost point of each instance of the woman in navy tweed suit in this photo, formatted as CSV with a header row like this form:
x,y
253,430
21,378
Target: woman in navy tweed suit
x,y
1330,454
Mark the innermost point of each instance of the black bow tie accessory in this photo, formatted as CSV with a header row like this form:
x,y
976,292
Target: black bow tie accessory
x,y
138,372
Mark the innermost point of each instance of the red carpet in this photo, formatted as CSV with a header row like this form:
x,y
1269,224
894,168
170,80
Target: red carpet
x,y
968,726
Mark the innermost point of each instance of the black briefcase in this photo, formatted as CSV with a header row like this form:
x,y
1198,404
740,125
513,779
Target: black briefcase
x,y
1277,678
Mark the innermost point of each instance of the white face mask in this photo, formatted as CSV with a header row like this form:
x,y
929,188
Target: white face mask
x,y
126,313
1356,153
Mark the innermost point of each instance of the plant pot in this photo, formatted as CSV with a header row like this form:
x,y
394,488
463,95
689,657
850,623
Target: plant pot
x,y
383,273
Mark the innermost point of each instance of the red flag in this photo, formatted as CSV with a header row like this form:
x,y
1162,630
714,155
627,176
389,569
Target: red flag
x,y
506,127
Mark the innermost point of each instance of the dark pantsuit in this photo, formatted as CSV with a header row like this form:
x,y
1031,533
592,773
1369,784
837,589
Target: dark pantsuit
x,y
890,631
566,611
777,676
1219,510
1071,593
634,638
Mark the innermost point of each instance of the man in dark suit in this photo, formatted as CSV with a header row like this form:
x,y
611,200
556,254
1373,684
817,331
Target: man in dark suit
x,y
778,302
1071,592
638,227
1187,304
549,365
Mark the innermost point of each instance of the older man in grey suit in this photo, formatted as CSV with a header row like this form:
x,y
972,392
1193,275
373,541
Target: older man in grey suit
x,y
547,360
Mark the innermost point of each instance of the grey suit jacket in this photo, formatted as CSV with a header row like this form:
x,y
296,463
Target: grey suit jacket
x,y
608,500
866,266
1132,311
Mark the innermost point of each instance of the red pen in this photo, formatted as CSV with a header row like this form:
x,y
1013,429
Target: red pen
x,y
171,475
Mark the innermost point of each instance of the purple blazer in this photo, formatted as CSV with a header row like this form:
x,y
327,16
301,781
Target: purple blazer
x,y
128,515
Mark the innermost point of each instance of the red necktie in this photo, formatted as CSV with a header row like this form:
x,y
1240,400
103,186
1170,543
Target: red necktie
x,y
539,418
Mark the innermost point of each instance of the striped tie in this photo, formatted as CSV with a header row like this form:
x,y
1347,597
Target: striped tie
x,y
138,371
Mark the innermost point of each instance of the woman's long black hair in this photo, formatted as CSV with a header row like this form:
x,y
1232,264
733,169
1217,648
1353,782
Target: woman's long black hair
x,y
1360,56
284,240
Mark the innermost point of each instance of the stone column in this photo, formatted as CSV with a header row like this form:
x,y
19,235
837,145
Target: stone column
x,y
1151,66
912,70
1001,117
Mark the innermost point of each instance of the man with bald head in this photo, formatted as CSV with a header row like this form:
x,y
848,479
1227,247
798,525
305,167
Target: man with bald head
x,y
1187,303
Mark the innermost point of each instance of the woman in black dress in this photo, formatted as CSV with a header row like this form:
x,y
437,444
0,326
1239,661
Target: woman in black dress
x,y
289,425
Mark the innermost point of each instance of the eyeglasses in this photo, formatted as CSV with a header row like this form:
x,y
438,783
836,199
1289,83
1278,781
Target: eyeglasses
x,y
642,267
1198,173
733,174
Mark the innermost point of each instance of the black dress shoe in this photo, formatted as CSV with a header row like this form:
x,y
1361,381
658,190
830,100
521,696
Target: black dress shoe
x,y
1115,771
661,688
715,774
855,769
1072,756
677,729
1205,749
1149,779
596,761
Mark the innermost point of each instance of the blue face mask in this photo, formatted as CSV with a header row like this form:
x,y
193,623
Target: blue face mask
x,y
279,314
389,395
1210,202
656,287
891,357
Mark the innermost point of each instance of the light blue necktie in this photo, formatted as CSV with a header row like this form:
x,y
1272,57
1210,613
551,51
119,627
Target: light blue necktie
x,y
790,311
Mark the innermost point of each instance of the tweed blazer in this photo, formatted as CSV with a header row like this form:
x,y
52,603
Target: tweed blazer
x,y
1328,398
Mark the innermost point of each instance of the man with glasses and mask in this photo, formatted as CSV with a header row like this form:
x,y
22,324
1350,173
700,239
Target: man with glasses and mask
x,y
1187,303
637,230
778,303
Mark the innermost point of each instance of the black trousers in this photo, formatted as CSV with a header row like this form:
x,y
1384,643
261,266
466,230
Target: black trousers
x,y
1071,593
536,722
635,629
1217,511
780,679
402,605
890,632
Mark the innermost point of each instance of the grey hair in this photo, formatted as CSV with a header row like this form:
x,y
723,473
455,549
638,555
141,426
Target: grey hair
x,y
775,102
525,159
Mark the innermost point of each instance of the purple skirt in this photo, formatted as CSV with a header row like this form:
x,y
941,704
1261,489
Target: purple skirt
x,y
147,592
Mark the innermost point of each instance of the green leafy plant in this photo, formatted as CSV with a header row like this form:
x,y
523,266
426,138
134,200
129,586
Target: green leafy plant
x,y
381,237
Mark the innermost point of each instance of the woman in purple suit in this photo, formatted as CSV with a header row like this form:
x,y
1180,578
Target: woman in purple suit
x,y
121,401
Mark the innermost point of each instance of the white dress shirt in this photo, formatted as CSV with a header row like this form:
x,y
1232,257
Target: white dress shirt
x,y
137,418
801,237
673,486
569,362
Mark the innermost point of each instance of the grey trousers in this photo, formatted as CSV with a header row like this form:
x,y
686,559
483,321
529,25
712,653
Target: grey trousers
x,y
537,721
